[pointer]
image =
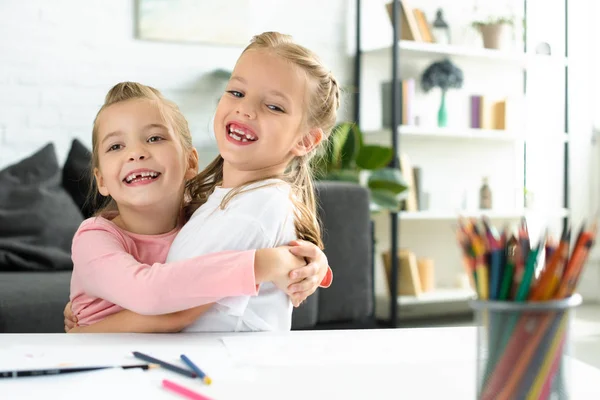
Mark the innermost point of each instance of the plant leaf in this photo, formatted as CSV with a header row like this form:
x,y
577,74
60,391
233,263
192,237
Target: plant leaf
x,y
384,199
352,146
345,175
337,142
373,157
389,179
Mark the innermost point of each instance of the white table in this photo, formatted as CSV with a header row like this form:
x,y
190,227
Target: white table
x,y
430,363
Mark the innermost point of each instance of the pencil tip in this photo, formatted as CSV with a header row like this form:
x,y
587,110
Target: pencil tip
x,y
207,380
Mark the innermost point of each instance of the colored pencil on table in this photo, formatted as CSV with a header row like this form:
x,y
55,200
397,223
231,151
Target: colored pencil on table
x,y
66,370
183,391
165,365
196,369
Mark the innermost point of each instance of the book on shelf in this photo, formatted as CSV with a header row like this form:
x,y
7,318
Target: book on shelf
x,y
410,203
424,28
409,27
407,89
488,112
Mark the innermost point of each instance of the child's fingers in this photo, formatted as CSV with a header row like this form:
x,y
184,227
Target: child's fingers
x,y
305,249
309,270
310,283
298,298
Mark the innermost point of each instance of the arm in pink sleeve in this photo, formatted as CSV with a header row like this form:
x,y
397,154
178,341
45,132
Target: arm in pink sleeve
x,y
107,271
327,279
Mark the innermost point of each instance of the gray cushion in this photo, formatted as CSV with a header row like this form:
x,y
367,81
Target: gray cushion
x,y
346,219
76,178
37,217
33,302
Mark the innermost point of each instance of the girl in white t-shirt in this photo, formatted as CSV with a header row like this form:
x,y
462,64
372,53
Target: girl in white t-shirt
x,y
278,107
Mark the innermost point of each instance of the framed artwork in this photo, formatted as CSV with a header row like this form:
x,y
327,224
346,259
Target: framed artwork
x,y
224,22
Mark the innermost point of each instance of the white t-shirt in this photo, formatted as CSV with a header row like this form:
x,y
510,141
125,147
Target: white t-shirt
x,y
253,219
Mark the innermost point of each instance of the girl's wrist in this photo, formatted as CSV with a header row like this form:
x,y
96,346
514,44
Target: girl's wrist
x,y
262,270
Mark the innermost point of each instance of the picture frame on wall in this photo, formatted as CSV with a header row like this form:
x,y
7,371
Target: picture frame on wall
x,y
224,23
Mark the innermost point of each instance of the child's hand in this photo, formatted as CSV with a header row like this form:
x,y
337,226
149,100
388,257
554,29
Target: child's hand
x,y
305,280
70,319
283,263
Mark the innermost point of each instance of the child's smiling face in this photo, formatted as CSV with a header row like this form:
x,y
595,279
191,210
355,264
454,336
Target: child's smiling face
x,y
141,160
260,120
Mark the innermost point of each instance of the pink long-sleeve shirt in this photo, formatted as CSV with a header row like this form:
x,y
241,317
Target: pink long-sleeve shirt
x,y
114,270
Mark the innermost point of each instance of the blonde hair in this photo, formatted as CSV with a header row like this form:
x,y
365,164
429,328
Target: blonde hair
x,y
322,103
169,111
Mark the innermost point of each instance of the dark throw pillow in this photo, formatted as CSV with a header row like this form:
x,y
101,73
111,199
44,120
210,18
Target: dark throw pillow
x,y
76,178
38,218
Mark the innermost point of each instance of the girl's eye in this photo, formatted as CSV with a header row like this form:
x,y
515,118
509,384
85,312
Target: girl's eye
x,y
114,147
155,139
274,108
235,93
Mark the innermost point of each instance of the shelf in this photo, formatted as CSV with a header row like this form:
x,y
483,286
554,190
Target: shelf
x,y
437,296
439,302
433,132
411,48
492,214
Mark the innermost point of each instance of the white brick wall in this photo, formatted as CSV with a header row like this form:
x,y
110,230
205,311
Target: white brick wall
x,y
58,59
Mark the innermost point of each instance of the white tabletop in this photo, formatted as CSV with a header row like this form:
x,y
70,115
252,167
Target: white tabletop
x,y
427,363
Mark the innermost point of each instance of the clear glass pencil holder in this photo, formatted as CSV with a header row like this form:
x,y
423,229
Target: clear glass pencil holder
x,y
523,348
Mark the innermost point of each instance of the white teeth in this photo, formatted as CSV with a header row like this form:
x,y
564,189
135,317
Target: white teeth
x,y
142,175
239,135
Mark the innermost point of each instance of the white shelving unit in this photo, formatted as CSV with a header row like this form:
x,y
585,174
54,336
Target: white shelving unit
x,y
418,49
458,156
434,132
491,214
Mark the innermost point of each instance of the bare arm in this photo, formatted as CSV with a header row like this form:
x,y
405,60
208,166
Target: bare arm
x,y
130,322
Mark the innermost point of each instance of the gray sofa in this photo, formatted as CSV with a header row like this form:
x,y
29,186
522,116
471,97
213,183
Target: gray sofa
x,y
32,300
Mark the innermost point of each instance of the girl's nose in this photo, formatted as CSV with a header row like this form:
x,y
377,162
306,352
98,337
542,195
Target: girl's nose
x,y
138,154
246,111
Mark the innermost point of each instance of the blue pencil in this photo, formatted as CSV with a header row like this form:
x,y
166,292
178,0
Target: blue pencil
x,y
197,370
164,364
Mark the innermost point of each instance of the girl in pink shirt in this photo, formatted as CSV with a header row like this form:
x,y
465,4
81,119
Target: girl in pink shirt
x,y
142,158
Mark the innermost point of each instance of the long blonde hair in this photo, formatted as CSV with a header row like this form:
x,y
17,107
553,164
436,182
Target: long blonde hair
x,y
169,111
321,112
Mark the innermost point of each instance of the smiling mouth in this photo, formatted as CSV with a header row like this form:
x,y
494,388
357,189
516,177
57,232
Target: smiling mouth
x,y
241,135
141,177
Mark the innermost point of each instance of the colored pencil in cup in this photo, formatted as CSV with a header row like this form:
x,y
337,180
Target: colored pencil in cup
x,y
196,369
165,364
183,391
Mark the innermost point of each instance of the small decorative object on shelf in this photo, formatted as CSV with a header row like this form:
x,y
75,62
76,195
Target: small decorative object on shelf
x,y
445,75
485,195
494,32
441,30
543,48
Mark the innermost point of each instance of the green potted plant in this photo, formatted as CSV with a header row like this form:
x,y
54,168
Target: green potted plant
x,y
494,31
347,158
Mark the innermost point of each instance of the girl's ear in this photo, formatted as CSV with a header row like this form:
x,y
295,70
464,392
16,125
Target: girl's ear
x,y
100,183
308,142
192,164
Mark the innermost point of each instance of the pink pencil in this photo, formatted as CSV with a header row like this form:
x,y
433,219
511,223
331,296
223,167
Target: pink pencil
x,y
183,391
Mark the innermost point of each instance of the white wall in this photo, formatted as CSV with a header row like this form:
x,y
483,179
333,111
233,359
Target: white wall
x,y
58,59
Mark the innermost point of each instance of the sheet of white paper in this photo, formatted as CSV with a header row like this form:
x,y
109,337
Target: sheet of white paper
x,y
337,348
39,356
